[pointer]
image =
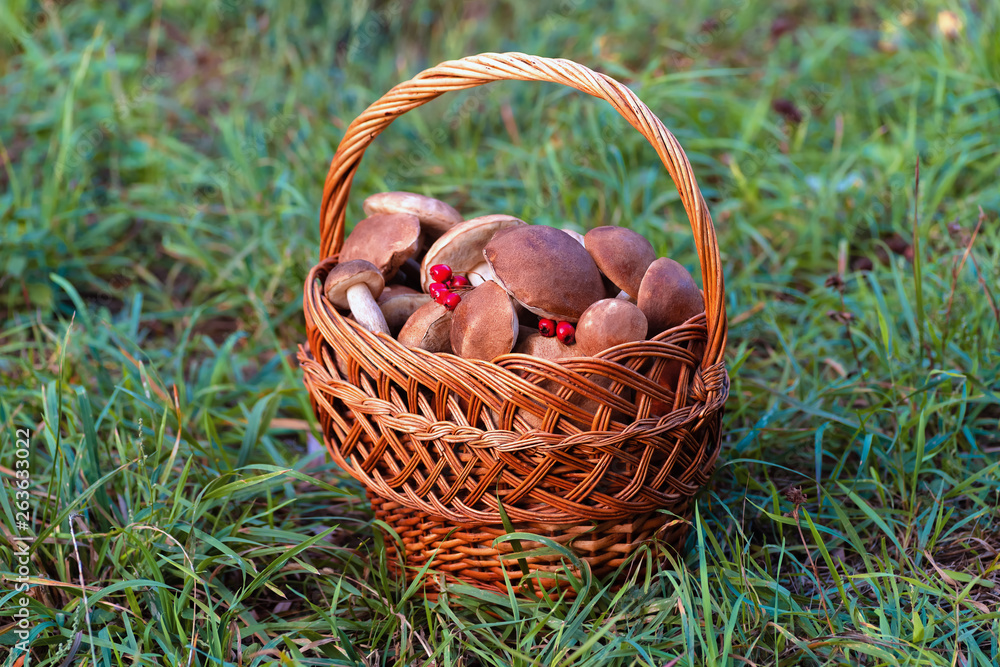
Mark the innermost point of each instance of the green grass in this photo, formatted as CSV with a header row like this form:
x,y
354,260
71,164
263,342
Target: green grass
x,y
161,169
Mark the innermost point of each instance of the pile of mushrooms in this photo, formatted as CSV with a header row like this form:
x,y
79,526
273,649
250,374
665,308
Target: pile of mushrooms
x,y
492,285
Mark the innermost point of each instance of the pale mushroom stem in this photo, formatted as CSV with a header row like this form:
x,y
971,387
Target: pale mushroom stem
x,y
365,310
480,274
576,235
626,296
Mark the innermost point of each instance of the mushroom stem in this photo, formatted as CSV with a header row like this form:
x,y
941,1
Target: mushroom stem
x,y
480,274
576,235
625,295
365,310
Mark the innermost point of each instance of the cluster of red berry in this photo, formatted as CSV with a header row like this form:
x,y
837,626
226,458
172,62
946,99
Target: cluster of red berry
x,y
442,291
564,331
444,282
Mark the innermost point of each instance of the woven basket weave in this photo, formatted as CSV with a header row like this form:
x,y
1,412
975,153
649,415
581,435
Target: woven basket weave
x,y
586,451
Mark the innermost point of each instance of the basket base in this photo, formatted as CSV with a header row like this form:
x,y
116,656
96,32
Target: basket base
x,y
465,553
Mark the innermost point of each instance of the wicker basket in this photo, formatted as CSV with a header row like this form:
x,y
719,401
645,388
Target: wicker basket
x,y
587,451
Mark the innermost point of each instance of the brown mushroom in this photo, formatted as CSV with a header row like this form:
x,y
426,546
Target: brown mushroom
x,y
607,323
435,216
355,285
394,289
545,270
524,331
398,304
386,240
668,296
461,248
428,328
484,325
622,256
545,347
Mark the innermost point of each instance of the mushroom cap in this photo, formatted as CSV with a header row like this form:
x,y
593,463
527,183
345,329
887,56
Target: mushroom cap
x,y
621,254
461,247
435,216
384,239
347,274
484,325
551,348
399,305
524,331
607,323
545,270
394,289
668,296
428,328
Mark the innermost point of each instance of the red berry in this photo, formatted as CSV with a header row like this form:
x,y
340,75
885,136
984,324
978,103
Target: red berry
x,y
435,290
451,300
441,296
460,281
547,327
566,333
441,272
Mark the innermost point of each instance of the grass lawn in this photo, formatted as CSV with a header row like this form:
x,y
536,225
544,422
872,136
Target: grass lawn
x,y
161,168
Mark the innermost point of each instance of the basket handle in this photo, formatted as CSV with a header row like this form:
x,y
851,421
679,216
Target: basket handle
x,y
485,68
